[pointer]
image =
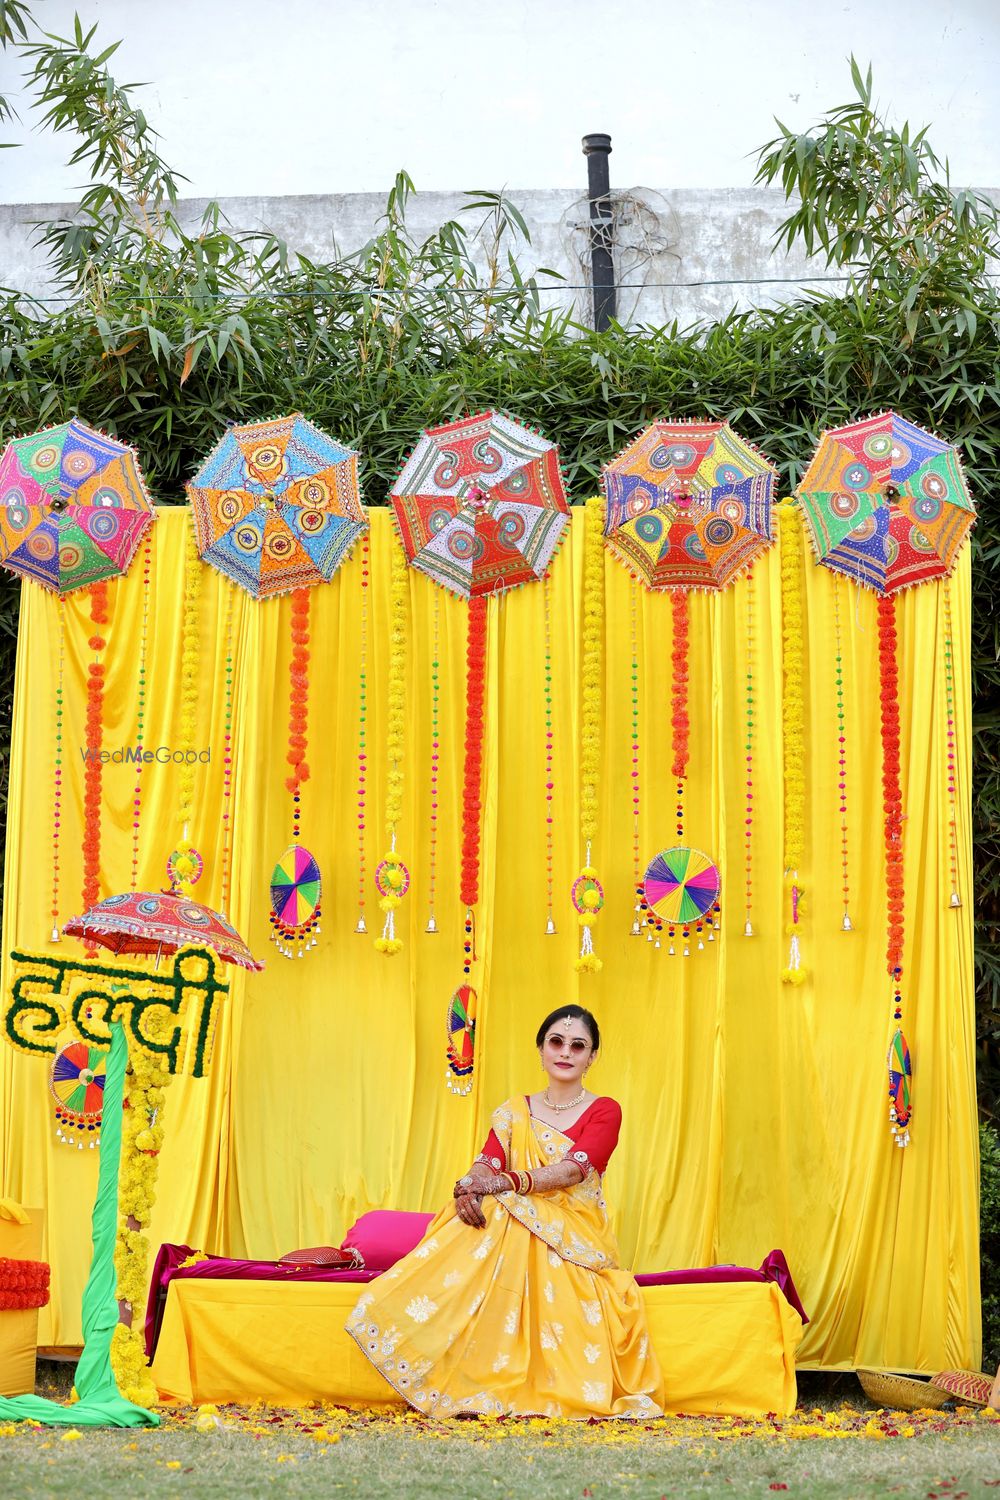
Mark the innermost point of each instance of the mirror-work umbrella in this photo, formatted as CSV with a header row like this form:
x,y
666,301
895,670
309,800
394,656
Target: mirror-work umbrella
x,y
73,506
276,505
480,504
160,922
688,505
886,503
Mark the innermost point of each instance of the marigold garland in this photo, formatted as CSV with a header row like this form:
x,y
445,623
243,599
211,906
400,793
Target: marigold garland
x,y
142,1139
892,826
590,731
389,943
793,728
23,1284
91,892
185,866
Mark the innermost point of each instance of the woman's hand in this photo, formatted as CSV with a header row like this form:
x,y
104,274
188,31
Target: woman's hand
x,y
469,1210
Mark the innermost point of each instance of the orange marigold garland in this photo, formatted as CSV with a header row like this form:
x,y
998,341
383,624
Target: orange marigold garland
x,y
23,1284
900,1107
472,804
392,878
91,892
296,886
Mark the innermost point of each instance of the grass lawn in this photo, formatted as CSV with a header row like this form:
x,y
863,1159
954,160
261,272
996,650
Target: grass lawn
x,y
837,1448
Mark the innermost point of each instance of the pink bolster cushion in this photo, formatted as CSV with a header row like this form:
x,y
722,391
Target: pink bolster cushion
x,y
385,1235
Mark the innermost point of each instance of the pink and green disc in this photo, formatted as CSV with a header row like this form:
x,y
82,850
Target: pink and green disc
x,y
681,884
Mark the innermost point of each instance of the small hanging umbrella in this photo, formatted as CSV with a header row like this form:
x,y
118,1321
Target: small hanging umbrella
x,y
480,504
160,922
688,505
886,503
276,505
73,506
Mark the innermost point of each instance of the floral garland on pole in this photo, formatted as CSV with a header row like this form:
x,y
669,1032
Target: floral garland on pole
x,y
392,878
142,1139
793,721
587,893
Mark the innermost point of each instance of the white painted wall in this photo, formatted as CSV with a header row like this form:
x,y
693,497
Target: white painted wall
x,y
280,97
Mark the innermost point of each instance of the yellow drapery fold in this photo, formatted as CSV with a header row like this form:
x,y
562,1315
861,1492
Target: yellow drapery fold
x,y
755,1114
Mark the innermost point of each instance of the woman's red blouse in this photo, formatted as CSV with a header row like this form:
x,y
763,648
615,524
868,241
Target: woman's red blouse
x,y
594,1136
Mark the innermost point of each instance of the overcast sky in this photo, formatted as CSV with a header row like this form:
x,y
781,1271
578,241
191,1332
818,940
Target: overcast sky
x,y
303,96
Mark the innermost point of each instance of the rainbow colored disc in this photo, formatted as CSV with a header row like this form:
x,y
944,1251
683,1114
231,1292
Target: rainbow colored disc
x,y
462,1031
681,884
295,889
77,1083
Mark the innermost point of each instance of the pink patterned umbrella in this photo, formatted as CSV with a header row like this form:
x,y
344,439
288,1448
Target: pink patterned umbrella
x,y
160,922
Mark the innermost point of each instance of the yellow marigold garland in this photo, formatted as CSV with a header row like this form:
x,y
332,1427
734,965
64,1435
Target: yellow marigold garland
x,y
142,1139
588,897
392,877
184,866
793,722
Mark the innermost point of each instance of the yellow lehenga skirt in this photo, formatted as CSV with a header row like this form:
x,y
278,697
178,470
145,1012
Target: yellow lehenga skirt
x,y
531,1316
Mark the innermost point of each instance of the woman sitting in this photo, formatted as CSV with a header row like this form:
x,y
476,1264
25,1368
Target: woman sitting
x,y
514,1302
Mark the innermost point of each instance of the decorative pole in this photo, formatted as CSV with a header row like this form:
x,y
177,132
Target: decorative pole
x,y
597,149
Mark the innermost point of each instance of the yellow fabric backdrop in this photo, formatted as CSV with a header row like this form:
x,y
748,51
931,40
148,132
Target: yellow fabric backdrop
x,y
755,1114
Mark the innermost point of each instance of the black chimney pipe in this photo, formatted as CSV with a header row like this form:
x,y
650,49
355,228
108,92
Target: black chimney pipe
x,y
597,149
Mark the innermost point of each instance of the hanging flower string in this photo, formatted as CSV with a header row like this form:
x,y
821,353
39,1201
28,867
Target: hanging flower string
x,y
955,899
298,706
634,774
748,725
435,766
140,717
550,921
680,723
92,776
392,878
57,779
362,789
588,894
900,1108
475,703
185,862
296,883
845,924
793,731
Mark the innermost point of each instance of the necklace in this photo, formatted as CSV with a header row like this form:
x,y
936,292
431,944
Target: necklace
x,y
572,1103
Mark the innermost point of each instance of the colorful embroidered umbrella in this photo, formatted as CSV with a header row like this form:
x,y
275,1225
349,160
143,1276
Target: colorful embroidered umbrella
x,y
73,506
480,504
688,505
160,922
886,503
276,505
77,1086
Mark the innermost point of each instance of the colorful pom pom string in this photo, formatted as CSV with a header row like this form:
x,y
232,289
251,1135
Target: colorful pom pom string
x,y
362,780
637,910
900,1106
435,766
140,731
395,886
550,920
955,898
92,797
748,749
845,882
58,768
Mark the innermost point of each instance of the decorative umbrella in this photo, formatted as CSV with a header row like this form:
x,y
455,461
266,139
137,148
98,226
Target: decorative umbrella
x,y
688,505
73,506
886,503
480,504
276,505
480,509
160,922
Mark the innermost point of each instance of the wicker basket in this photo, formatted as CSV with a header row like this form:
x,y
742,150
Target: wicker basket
x,y
900,1392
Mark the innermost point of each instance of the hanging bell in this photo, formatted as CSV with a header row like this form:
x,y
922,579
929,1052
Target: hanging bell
x,y
432,925
361,924
550,926
955,899
748,929
56,937
846,925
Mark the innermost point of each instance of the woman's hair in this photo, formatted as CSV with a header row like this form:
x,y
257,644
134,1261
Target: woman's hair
x,y
571,1013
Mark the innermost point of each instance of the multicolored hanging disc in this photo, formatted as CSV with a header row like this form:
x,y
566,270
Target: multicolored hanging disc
x,y
681,890
296,888
461,1038
900,1085
77,1086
